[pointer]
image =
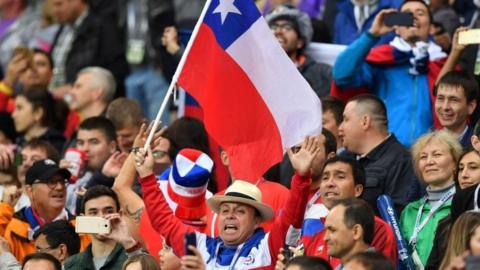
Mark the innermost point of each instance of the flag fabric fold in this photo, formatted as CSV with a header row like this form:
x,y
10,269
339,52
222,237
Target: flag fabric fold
x,y
255,102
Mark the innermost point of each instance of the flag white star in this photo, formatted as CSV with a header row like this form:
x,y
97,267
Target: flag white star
x,y
225,7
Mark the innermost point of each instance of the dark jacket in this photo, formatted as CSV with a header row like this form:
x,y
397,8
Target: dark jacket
x,y
84,260
318,75
97,43
439,244
388,170
53,136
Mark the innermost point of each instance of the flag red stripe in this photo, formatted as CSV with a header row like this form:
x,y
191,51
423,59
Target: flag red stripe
x,y
223,99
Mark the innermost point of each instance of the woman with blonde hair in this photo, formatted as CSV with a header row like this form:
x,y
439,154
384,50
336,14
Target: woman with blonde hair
x,y
435,156
464,235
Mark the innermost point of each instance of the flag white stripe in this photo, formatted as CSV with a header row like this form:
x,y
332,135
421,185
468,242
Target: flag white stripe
x,y
293,104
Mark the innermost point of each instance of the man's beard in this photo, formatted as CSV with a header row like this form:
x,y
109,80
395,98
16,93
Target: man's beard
x,y
413,39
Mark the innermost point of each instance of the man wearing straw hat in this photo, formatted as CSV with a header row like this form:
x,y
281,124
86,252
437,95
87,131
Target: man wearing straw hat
x,y
242,244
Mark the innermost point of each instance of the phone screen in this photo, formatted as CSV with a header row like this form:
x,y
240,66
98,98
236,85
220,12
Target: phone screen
x,y
398,18
190,240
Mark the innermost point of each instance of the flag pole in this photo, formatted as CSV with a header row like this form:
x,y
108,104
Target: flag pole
x,y
176,75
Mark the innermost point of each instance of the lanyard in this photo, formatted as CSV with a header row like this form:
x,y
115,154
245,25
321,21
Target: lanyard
x,y
312,200
475,200
419,226
235,258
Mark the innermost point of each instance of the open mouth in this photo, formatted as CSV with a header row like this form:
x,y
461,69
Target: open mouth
x,y
230,228
330,195
58,196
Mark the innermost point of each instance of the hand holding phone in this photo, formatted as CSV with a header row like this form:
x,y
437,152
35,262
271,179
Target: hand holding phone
x,y
96,225
190,240
398,19
471,36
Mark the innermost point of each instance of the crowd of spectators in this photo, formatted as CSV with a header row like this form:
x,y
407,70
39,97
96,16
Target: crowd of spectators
x,y
80,80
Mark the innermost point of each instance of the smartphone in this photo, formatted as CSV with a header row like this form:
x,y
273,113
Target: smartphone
x,y
471,36
472,262
190,240
85,224
26,52
398,18
287,254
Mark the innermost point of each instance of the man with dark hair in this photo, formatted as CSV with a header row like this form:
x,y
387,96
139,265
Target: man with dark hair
x,y
332,115
387,163
127,116
42,261
343,178
96,138
402,73
35,150
57,238
307,263
368,261
294,31
107,251
456,100
350,229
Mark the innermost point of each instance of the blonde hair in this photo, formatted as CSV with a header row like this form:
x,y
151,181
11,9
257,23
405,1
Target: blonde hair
x,y
442,136
459,237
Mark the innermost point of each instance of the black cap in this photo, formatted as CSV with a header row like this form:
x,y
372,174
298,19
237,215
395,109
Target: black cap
x,y
44,170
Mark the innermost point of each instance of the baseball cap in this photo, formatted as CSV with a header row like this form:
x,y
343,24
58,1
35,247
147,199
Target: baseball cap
x,y
44,170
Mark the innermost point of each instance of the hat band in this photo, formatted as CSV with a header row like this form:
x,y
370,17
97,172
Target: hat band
x,y
241,195
184,200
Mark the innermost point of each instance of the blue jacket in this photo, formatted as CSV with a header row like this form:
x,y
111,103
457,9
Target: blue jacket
x,y
407,97
346,30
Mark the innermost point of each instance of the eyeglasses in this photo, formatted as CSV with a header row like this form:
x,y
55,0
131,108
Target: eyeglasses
x,y
45,249
285,27
159,154
51,183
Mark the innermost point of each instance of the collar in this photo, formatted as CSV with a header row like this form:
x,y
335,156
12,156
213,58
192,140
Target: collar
x,y
87,256
434,51
377,152
465,130
80,19
434,195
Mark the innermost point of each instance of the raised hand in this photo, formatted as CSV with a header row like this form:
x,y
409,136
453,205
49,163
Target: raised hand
x,y
170,40
378,27
142,135
144,162
112,166
15,68
456,47
11,195
302,159
119,231
7,156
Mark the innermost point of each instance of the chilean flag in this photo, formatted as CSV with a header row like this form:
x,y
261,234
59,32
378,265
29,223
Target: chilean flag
x,y
255,102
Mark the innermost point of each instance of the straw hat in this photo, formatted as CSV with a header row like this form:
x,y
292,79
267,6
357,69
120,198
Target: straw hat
x,y
242,192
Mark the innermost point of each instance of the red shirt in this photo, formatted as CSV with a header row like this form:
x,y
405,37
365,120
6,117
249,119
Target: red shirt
x,y
383,241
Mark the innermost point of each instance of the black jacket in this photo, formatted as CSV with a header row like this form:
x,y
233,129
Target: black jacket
x,y
388,170
97,42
